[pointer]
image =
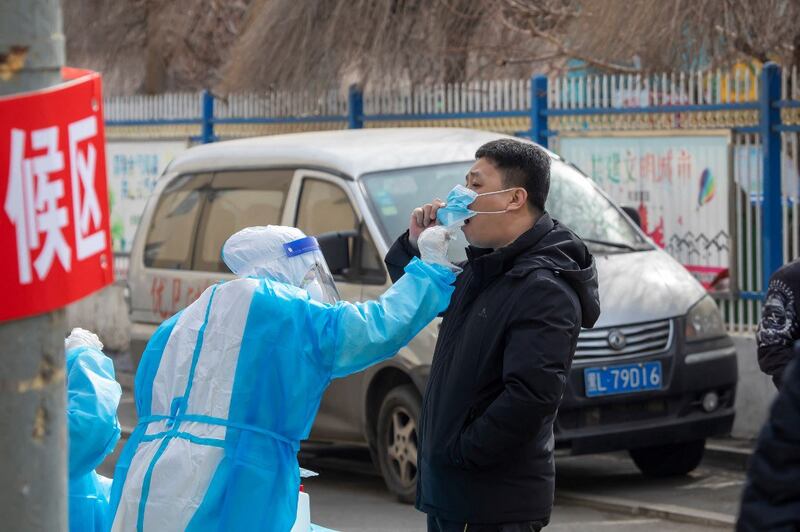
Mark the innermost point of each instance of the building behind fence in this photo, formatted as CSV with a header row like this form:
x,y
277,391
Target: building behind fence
x,y
758,111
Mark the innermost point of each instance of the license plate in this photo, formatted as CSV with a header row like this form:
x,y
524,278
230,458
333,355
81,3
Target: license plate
x,y
627,378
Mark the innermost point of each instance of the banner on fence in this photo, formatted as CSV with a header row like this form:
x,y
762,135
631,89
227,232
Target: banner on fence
x,y
679,184
133,168
54,228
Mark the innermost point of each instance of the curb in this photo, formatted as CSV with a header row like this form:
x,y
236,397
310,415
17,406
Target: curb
x,y
669,512
728,456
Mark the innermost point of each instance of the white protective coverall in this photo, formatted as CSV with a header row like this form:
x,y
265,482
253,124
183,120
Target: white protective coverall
x,y
228,387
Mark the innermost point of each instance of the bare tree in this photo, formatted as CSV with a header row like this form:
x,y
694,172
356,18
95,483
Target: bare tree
x,y
231,45
153,45
642,35
305,43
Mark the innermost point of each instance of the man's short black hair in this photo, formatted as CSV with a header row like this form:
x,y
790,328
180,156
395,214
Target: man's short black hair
x,y
521,165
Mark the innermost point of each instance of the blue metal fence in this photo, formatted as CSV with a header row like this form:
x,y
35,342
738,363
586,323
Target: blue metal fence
x,y
763,114
769,122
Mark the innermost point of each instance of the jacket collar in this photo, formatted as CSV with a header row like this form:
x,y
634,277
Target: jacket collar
x,y
488,264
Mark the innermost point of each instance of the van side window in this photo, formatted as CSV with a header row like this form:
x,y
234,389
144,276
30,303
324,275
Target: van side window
x,y
372,270
172,231
237,200
324,207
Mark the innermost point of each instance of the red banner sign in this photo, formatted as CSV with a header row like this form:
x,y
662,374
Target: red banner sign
x,y
54,215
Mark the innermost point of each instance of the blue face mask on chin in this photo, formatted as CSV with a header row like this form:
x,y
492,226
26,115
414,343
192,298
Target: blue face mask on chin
x,y
456,211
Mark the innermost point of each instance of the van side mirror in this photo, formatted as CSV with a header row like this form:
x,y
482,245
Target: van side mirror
x,y
335,247
633,214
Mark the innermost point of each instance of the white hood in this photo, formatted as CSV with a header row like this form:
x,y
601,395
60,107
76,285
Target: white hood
x,y
257,251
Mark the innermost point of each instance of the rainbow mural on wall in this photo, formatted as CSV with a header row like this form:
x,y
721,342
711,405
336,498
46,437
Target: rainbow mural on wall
x,y
708,187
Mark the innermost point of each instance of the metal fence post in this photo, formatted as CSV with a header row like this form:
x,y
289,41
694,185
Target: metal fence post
x,y
538,107
207,127
771,221
355,108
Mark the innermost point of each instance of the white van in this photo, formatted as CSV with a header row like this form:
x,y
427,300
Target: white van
x,y
656,376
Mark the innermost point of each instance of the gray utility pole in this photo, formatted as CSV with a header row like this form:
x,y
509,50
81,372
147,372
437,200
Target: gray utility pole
x,y
33,436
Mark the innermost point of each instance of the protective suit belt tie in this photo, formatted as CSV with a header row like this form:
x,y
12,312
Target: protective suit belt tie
x,y
210,420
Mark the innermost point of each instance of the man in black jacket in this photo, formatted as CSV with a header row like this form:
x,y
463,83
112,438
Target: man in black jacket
x,y
504,351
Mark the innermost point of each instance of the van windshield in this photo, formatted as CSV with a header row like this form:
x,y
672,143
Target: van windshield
x,y
574,200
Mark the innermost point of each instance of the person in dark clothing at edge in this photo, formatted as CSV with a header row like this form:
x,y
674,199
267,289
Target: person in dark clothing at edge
x,y
779,328
771,497
504,349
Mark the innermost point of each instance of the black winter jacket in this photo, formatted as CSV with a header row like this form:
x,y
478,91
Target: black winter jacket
x,y
498,376
771,499
779,328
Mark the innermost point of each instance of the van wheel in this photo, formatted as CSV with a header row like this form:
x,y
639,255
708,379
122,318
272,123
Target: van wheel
x,y
397,441
669,460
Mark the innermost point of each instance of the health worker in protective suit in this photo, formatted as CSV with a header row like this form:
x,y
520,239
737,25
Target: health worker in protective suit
x,y
228,387
93,396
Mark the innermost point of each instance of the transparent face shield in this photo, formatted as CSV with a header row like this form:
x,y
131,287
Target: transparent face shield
x,y
316,279
319,284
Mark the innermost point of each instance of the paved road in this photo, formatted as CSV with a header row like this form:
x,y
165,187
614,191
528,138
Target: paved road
x,y
356,503
707,489
348,495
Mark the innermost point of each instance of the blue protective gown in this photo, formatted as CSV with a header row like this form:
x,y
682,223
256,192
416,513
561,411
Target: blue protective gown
x,y
227,388
93,396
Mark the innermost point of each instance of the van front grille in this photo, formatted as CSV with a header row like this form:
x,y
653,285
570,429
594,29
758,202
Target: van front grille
x,y
627,341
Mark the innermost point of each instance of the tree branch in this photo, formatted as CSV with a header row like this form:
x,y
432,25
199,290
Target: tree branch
x,y
567,51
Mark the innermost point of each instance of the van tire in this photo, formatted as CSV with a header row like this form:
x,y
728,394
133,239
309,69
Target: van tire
x,y
397,449
671,460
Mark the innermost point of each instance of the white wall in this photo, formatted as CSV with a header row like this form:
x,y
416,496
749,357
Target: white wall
x,y
755,391
106,314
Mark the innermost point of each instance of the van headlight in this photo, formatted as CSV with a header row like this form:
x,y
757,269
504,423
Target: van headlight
x,y
704,321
